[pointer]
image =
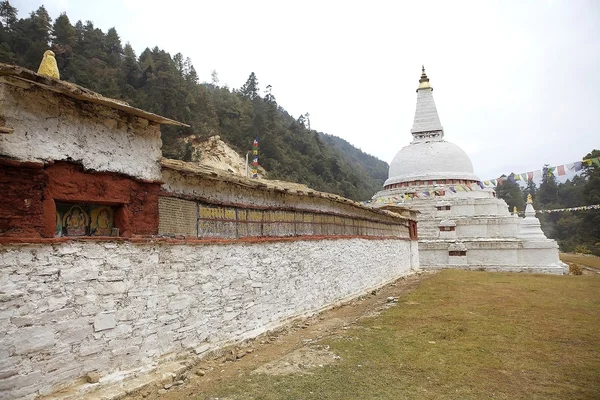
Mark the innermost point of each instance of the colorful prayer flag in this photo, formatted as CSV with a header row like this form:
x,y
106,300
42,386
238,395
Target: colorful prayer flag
x,y
560,170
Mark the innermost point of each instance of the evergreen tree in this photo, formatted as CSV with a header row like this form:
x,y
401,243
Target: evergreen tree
x,y
114,49
590,223
250,88
510,191
36,32
63,42
548,191
214,78
8,15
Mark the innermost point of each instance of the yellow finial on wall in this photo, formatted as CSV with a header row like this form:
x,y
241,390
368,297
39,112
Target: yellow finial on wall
x,y
48,65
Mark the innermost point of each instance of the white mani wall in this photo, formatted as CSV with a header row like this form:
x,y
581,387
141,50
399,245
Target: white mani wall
x,y
70,308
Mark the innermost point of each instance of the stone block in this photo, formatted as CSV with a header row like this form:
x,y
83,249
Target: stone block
x,y
25,320
32,339
106,288
22,383
104,321
111,276
91,348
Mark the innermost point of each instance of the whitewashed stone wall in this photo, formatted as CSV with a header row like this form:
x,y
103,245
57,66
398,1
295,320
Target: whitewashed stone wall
x,y
67,309
49,126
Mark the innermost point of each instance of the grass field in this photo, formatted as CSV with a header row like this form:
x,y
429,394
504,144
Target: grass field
x,y
459,335
581,259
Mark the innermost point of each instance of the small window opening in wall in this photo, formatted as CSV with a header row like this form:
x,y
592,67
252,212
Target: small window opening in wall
x,y
446,228
442,208
85,220
457,253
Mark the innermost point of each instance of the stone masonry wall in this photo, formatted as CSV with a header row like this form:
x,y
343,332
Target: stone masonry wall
x,y
51,127
73,307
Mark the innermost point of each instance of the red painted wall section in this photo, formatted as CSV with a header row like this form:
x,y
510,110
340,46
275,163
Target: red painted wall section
x,y
21,210
135,202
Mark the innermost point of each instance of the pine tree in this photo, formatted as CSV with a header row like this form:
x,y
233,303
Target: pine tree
x,y
590,222
114,49
37,31
510,191
548,191
63,43
8,15
250,88
214,78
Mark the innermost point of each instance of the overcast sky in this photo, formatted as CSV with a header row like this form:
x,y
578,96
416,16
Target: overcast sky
x,y
516,83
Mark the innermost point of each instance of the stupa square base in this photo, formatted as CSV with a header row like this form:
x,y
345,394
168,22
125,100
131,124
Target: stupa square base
x,y
508,255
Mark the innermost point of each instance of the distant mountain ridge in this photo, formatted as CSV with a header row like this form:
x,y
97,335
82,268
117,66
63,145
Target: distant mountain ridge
x,y
169,85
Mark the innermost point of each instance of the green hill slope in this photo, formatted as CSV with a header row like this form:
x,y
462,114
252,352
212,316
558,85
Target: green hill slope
x,y
169,85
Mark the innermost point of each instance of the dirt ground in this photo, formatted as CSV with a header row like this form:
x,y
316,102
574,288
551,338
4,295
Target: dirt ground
x,y
292,349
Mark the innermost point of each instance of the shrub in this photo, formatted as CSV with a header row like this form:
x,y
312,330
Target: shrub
x,y
575,269
582,249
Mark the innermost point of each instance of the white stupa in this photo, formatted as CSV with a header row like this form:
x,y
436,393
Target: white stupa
x,y
461,223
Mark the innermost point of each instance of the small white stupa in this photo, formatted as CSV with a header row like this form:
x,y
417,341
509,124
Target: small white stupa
x,y
530,225
461,223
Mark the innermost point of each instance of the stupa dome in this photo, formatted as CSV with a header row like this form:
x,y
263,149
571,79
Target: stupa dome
x,y
429,157
430,161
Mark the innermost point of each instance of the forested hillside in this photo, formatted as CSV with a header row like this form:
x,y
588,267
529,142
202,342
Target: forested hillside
x,y
169,85
577,231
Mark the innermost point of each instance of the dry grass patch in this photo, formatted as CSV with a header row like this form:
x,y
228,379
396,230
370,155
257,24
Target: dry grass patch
x,y
460,335
585,260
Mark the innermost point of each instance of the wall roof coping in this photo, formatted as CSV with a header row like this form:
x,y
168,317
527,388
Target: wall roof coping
x,y
206,172
24,78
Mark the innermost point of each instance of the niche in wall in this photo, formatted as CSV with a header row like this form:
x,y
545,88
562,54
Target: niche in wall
x,y
76,219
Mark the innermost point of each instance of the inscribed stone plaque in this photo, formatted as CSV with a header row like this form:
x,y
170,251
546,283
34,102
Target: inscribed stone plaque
x,y
304,224
254,225
278,223
338,225
217,221
317,224
177,216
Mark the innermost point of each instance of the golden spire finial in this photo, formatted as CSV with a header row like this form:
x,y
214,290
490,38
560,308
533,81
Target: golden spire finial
x,y
424,81
529,199
48,65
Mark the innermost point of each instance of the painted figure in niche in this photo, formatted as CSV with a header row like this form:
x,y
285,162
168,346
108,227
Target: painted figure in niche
x,y
59,227
102,222
75,222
